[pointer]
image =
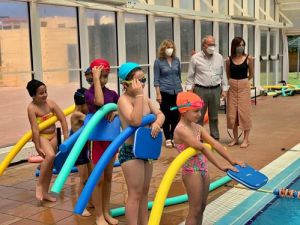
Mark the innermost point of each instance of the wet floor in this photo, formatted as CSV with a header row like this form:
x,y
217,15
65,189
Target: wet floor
x,y
275,126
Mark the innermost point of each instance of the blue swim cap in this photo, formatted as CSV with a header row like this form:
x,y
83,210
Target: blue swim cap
x,y
126,68
88,71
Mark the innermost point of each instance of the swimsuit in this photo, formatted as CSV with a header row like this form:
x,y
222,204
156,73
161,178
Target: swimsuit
x,y
97,150
126,154
83,157
40,119
195,164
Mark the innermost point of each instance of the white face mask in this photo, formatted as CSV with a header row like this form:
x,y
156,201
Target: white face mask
x,y
169,51
210,50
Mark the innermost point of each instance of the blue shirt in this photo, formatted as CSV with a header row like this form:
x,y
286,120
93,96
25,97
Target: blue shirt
x,y
166,77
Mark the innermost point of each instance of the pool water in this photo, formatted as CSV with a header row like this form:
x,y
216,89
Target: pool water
x,y
280,211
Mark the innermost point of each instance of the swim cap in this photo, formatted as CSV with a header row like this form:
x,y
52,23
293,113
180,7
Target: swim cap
x,y
33,85
79,97
100,62
188,101
88,71
126,68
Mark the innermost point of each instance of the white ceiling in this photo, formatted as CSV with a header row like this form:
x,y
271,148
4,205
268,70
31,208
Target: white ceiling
x,y
291,9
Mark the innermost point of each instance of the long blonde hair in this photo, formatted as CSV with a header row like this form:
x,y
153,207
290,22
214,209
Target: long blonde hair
x,y
162,48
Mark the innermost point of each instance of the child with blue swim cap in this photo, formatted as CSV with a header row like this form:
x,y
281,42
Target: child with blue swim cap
x,y
132,106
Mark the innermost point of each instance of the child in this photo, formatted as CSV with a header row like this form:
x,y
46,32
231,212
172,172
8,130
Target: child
x,y
96,97
132,106
77,119
45,141
194,172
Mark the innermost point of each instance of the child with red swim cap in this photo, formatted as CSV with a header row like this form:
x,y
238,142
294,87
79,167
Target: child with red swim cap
x,y
97,96
195,171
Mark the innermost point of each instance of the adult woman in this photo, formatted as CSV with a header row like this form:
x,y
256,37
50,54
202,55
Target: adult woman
x,y
239,69
167,83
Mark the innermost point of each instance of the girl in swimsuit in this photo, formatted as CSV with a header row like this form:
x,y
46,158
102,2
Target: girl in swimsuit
x,y
45,141
194,172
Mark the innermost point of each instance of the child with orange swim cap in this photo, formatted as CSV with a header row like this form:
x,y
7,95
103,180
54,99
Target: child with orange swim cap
x,y
195,171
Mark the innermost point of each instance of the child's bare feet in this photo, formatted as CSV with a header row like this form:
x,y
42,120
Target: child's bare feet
x,y
245,144
86,213
110,219
101,221
48,197
234,142
39,193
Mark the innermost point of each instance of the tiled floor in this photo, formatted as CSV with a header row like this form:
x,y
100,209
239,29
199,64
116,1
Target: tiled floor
x,y
275,126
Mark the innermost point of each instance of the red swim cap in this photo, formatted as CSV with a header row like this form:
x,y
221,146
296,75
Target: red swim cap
x,y
188,101
100,62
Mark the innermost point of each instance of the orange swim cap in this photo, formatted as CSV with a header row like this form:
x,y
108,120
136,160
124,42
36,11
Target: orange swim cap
x,y
188,101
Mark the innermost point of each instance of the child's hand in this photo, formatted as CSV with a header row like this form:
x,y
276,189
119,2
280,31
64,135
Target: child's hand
x,y
110,116
155,129
97,71
41,152
238,162
137,87
229,167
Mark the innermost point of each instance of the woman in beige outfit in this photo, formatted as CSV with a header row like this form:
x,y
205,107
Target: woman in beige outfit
x,y
239,69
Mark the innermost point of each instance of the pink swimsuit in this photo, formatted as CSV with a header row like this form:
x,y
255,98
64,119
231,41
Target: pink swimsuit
x,y
195,164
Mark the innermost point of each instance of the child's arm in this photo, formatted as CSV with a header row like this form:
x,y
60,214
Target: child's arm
x,y
220,148
35,130
189,139
160,118
61,117
99,98
133,111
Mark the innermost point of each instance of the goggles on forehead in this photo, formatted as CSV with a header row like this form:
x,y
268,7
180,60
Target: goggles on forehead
x,y
189,105
142,80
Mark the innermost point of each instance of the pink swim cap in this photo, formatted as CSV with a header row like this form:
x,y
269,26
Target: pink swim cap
x,y
100,62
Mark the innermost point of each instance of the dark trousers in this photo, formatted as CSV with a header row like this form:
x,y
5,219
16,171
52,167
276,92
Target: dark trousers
x,y
172,117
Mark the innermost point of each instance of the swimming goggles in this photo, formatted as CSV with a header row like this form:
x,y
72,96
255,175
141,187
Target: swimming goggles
x,y
142,80
193,105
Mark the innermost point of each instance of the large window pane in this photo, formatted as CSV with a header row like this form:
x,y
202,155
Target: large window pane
x,y
273,43
251,8
238,30
223,7
163,29
262,5
206,28
136,38
15,71
59,38
263,73
272,9
15,66
102,35
187,39
223,39
204,7
237,11
263,42
187,4
163,2
251,40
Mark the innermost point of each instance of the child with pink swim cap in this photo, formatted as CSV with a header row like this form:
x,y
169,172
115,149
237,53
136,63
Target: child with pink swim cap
x,y
195,171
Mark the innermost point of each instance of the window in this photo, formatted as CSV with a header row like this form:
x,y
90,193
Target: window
x,y
163,2
251,40
251,8
163,29
205,7
237,10
187,4
238,30
223,39
223,7
206,28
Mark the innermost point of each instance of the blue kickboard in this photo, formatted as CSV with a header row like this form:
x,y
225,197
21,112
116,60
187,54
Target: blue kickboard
x,y
105,130
145,146
248,177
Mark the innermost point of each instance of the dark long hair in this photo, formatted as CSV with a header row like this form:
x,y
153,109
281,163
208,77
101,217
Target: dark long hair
x,y
234,43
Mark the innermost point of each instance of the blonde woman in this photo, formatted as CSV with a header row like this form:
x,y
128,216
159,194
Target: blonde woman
x,y
167,83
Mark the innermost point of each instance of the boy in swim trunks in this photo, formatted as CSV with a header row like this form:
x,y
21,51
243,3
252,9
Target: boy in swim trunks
x,y
195,170
97,96
45,141
77,119
132,106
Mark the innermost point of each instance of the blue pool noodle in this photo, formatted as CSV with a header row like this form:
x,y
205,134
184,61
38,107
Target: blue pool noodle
x,y
102,163
68,144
